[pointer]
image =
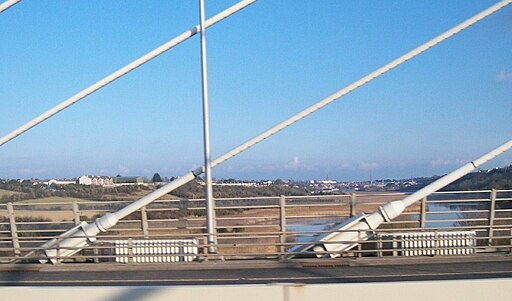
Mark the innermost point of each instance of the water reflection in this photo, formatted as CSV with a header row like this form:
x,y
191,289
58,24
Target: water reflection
x,y
307,230
439,217
444,210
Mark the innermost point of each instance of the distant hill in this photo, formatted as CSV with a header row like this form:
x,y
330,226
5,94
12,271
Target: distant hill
x,y
15,191
195,190
498,178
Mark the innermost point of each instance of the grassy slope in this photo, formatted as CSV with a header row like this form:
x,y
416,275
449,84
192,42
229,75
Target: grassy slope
x,y
7,192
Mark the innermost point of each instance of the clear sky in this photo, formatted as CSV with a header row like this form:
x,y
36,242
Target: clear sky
x,y
267,62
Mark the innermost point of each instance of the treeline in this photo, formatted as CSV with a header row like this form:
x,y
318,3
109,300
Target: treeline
x,y
194,190
27,190
498,178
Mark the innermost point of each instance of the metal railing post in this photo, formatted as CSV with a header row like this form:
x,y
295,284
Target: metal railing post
x,y
57,255
395,246
14,230
282,224
130,250
510,241
492,213
352,204
96,254
206,254
380,245
76,212
359,245
423,212
437,243
144,221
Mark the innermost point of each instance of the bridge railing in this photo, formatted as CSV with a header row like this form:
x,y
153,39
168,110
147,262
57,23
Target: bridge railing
x,y
173,230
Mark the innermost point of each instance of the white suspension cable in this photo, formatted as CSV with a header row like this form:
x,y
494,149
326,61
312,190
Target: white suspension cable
x,y
8,4
133,65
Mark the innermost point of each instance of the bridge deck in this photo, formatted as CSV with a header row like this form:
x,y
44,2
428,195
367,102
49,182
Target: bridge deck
x,y
258,272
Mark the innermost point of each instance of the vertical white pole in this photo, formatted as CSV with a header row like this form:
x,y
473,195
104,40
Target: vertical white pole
x,y
210,214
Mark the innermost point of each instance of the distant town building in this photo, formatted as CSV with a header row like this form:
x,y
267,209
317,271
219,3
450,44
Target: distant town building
x,y
84,180
96,180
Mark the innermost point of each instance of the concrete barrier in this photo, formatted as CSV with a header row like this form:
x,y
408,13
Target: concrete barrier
x,y
466,290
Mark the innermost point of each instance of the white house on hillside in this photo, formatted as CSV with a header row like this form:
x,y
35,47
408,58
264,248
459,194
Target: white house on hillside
x,y
84,180
96,180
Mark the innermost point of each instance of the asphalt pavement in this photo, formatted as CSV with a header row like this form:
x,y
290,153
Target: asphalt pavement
x,y
227,273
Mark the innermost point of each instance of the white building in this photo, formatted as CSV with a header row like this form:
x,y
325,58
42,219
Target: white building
x,y
84,180
59,182
96,180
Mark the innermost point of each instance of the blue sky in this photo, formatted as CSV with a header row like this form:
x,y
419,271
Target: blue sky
x,y
267,62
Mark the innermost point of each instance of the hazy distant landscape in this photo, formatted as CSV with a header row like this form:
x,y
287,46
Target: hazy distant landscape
x,y
29,190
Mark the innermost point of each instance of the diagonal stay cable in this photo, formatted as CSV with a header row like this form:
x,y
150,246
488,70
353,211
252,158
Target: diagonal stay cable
x,y
8,4
123,71
251,142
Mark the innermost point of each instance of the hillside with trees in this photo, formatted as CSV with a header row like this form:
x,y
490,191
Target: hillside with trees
x,y
194,190
497,178
14,191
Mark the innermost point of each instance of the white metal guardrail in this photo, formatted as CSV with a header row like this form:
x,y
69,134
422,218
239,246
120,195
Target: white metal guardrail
x,y
261,227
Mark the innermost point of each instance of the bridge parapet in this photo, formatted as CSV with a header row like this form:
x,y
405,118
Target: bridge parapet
x,y
266,227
